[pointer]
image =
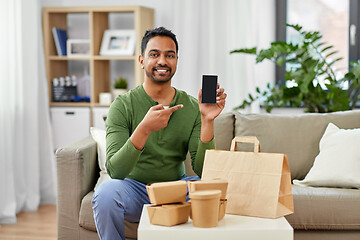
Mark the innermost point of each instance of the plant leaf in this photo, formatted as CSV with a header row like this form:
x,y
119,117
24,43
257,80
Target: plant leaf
x,y
245,50
280,61
332,53
334,61
296,27
326,48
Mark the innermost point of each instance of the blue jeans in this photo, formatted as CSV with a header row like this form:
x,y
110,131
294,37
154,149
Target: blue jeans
x,y
118,200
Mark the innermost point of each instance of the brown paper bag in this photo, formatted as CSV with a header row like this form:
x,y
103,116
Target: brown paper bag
x,y
259,183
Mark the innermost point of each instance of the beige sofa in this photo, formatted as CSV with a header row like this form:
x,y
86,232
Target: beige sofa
x,y
320,213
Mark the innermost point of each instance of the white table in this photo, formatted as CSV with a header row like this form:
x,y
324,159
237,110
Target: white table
x,y
230,227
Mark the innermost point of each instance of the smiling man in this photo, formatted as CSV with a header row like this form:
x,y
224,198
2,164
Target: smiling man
x,y
149,131
160,71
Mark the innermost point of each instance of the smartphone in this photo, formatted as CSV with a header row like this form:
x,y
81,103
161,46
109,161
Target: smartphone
x,y
209,86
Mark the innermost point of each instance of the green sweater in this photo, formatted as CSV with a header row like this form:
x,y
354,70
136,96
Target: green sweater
x,y
162,158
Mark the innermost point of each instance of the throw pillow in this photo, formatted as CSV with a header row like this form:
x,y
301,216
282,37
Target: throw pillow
x,y
99,136
338,162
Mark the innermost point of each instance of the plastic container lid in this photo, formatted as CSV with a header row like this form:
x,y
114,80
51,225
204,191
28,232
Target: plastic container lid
x,y
206,194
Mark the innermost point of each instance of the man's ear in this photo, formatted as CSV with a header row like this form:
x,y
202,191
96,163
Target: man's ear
x,y
141,61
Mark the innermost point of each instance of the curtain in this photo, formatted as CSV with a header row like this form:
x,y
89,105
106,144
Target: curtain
x,y
27,164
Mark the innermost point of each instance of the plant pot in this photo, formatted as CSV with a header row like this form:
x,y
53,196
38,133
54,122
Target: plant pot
x,y
118,91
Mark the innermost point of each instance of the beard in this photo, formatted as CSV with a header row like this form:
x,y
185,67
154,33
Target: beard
x,y
159,79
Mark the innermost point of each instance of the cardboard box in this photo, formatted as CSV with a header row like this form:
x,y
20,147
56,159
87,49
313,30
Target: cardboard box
x,y
167,192
214,184
169,214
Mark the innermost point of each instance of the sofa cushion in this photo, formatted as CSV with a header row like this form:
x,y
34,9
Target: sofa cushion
x,y
297,136
86,218
338,163
325,208
224,130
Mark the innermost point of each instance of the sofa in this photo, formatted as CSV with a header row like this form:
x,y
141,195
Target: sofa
x,y
320,212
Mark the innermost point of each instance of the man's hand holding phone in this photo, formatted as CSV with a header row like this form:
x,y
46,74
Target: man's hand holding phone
x,y
211,97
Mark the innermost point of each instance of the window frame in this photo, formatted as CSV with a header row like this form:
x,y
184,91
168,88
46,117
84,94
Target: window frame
x,y
354,20
280,35
354,47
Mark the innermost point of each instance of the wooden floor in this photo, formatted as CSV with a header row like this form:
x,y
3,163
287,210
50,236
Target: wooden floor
x,y
39,225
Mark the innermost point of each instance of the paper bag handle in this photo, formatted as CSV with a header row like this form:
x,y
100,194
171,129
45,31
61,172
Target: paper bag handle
x,y
245,139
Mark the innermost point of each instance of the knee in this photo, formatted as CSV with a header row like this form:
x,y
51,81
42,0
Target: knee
x,y
105,194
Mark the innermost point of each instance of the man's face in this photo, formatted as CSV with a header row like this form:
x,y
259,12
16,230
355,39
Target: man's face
x,y
160,59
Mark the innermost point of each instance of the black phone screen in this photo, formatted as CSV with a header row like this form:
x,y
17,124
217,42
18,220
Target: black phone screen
x,y
209,86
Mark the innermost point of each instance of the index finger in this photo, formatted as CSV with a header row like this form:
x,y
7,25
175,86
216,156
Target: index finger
x,y
174,108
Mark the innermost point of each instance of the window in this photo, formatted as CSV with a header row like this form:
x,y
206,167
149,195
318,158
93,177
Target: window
x,y
337,21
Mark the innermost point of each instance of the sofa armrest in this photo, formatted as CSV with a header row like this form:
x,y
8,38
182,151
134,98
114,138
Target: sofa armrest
x,y
76,170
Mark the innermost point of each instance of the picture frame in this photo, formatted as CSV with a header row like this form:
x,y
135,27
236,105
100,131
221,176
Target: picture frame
x,y
118,43
78,47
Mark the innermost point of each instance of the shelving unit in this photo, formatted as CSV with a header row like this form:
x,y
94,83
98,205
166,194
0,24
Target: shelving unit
x,y
71,120
99,66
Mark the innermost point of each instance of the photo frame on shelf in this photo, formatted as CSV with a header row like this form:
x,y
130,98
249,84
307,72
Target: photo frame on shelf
x,y
78,47
118,43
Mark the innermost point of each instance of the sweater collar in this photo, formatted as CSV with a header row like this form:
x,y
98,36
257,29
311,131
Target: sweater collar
x,y
153,103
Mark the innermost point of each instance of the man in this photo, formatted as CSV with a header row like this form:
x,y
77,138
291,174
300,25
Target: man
x,y
149,131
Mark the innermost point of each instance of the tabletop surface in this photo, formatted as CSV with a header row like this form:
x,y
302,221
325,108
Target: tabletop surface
x,y
230,227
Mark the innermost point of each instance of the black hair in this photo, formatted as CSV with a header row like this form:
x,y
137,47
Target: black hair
x,y
160,31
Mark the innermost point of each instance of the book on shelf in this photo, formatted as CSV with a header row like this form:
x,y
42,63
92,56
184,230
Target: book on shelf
x,y
60,38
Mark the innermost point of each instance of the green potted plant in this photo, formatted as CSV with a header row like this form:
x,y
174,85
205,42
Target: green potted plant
x,y
314,82
120,87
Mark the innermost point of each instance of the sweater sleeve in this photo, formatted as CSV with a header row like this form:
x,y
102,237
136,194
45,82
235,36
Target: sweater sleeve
x,y
197,148
200,154
123,161
121,155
